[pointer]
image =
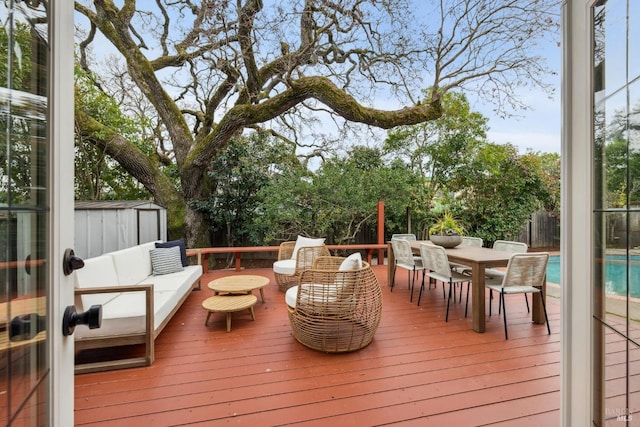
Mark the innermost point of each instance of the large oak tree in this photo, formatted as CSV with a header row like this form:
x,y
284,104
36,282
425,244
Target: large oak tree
x,y
211,69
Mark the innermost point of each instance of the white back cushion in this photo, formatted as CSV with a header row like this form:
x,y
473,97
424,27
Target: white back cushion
x,y
146,247
352,262
305,242
98,272
131,265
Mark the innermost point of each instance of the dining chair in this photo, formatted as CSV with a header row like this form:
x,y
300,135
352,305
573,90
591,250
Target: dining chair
x,y
463,268
404,258
472,241
410,237
511,247
525,273
435,259
467,241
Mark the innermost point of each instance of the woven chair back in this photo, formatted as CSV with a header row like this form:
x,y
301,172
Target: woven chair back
x,y
435,259
526,269
472,241
509,246
402,251
409,237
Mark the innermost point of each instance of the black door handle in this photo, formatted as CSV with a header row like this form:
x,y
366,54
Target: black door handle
x,y
92,318
71,262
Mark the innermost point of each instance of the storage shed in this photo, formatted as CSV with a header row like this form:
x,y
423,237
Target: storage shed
x,y
107,225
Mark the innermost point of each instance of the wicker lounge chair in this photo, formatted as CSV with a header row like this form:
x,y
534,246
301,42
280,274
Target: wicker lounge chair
x,y
288,268
335,311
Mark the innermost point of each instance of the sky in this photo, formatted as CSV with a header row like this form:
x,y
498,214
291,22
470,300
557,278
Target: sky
x,y
537,129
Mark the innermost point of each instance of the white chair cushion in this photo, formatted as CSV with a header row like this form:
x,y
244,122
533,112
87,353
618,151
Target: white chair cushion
x,y
291,296
352,262
305,242
322,293
285,266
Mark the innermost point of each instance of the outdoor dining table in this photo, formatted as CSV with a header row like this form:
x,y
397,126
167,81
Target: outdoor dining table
x,y
478,258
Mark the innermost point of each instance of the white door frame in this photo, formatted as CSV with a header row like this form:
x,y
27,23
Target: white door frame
x,y
576,243
61,351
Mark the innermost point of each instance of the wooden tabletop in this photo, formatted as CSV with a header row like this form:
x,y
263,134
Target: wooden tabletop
x,y
487,256
238,283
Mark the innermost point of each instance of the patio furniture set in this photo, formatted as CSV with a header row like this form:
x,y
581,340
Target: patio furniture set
x,y
334,304
473,264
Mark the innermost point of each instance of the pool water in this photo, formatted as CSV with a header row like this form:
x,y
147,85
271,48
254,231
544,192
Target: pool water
x,y
615,274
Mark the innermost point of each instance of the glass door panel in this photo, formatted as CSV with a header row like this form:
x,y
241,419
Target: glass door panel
x,y
24,214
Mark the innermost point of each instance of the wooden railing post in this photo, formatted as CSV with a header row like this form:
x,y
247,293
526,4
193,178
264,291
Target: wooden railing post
x,y
380,231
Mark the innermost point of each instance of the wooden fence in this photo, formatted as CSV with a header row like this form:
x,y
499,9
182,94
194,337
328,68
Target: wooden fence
x,y
542,231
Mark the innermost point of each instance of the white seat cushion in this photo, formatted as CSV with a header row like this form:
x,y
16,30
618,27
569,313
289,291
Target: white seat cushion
x,y
321,293
285,266
180,281
291,296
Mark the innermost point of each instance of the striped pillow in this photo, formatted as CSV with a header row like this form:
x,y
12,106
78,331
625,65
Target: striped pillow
x,y
166,260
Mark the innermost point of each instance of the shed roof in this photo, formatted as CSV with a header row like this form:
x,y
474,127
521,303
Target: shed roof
x,y
116,204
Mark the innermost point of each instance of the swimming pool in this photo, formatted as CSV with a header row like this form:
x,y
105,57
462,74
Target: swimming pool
x,y
615,275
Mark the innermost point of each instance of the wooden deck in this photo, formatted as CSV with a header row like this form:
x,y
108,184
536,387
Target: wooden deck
x,y
418,371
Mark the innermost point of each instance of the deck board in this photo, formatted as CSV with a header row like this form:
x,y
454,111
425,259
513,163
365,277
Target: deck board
x,y
419,370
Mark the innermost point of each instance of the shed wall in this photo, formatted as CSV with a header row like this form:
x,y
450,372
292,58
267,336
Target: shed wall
x,y
98,231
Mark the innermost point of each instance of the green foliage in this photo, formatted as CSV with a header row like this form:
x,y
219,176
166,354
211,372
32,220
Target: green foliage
x,y
240,171
500,191
16,154
489,187
97,176
437,152
339,199
622,172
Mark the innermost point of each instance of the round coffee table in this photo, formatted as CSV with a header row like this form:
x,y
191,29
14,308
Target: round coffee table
x,y
228,304
239,284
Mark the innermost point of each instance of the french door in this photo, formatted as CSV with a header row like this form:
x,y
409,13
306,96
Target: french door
x,y
36,211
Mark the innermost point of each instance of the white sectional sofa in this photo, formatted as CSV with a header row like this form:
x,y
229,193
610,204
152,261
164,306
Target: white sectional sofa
x,y
136,304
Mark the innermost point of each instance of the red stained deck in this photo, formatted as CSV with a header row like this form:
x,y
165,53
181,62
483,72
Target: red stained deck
x,y
418,371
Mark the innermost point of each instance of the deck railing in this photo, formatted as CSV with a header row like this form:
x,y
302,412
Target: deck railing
x,y
202,254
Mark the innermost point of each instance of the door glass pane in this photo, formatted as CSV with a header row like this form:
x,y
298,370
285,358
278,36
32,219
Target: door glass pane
x,y
615,45
24,365
634,41
612,136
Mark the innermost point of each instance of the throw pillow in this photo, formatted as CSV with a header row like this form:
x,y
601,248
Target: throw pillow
x,y
165,260
179,243
352,262
305,242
